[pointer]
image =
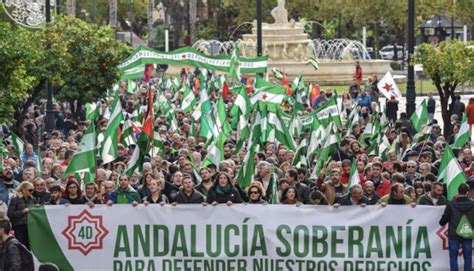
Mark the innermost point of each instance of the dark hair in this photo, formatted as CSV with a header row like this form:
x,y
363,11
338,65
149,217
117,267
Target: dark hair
x,y
261,156
293,174
55,188
399,178
345,142
68,154
302,171
397,166
5,225
463,189
283,194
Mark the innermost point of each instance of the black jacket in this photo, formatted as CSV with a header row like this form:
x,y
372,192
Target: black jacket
x,y
455,209
11,259
431,105
15,210
232,195
375,198
195,197
427,200
341,155
346,200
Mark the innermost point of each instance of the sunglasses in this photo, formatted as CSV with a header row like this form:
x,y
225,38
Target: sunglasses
x,y
31,190
254,192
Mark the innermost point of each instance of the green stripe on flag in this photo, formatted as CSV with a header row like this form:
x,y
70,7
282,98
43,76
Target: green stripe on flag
x,y
40,234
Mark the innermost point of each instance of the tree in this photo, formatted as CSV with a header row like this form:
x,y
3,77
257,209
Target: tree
x,y
449,65
19,58
89,56
78,59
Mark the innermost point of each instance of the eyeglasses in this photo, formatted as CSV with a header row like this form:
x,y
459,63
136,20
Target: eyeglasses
x,y
254,192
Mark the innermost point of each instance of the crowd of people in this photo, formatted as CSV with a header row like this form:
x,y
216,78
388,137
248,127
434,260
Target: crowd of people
x,y
405,174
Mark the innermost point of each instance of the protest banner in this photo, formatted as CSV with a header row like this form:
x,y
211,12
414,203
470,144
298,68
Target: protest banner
x,y
239,237
187,56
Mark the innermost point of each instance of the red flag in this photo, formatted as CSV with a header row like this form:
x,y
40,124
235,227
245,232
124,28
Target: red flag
x,y
315,91
149,68
249,87
285,83
146,136
225,91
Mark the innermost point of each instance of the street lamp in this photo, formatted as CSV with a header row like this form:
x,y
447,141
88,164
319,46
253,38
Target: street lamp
x,y
411,94
259,27
49,119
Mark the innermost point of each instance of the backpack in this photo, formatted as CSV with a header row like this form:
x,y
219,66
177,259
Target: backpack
x,y
464,228
27,263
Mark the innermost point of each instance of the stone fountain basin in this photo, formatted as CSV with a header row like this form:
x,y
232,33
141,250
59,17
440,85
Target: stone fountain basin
x,y
329,73
332,72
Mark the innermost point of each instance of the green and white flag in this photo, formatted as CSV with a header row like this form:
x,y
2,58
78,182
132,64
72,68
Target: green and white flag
x,y
215,152
269,94
313,62
18,144
221,118
329,112
135,162
354,176
247,169
84,159
92,111
128,137
462,137
329,145
300,154
189,100
278,131
234,69
109,147
420,117
240,112
451,173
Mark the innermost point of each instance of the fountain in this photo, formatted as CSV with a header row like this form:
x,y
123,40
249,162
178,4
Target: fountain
x,y
288,48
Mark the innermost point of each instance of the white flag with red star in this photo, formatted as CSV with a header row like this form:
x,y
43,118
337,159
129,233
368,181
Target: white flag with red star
x,y
388,87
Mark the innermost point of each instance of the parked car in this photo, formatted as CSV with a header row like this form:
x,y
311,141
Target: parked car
x,y
387,52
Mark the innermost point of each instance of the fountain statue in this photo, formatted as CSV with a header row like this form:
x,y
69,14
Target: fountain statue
x,y
280,14
289,48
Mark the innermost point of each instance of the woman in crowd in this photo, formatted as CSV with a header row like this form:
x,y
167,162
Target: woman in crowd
x,y
290,196
255,193
419,189
18,211
73,192
222,191
155,195
40,195
143,189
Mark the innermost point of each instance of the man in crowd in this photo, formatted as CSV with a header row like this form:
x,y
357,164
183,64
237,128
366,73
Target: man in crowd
x,y
454,211
187,193
435,197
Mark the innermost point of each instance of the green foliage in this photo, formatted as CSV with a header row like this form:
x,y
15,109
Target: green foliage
x,y
83,59
79,59
450,63
19,58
